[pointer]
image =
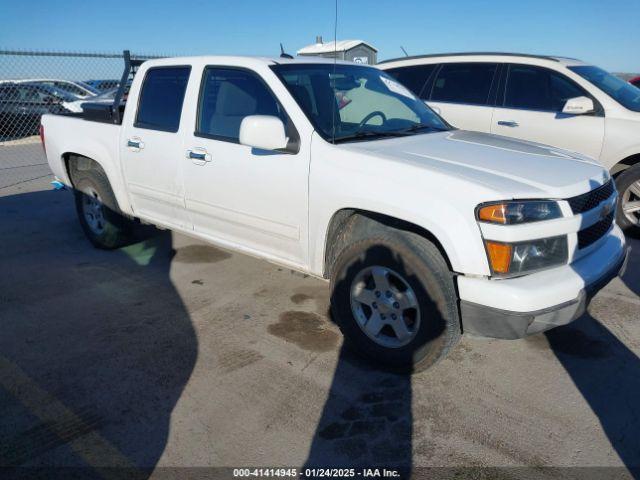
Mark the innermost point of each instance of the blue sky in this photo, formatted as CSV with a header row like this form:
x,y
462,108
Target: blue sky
x,y
604,33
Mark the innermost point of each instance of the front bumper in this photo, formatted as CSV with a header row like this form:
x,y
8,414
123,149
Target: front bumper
x,y
489,321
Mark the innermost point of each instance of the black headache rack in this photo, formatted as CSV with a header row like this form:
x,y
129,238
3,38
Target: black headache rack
x,y
112,112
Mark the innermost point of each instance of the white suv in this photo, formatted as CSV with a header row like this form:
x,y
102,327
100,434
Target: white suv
x,y
556,101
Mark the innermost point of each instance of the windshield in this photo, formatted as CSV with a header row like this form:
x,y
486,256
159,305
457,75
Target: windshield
x,y
621,91
351,102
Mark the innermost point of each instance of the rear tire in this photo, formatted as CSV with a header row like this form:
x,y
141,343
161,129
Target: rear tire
x,y
628,185
100,218
414,268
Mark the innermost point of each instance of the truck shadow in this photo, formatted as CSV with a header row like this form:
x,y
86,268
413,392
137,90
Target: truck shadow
x,y
96,346
607,374
367,419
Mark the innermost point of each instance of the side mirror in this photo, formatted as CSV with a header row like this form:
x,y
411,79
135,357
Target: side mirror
x,y
578,106
265,132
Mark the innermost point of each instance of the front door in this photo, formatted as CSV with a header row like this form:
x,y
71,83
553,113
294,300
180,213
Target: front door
x,y
247,198
532,110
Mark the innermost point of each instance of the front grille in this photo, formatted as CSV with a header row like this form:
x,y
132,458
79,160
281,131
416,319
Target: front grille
x,y
593,233
587,201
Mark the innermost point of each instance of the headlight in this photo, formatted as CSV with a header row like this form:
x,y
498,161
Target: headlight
x,y
512,259
525,211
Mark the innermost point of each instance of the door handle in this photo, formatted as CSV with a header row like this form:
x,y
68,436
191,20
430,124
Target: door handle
x,y
199,156
135,144
508,123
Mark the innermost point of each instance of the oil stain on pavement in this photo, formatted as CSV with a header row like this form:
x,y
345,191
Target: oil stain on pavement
x,y
307,330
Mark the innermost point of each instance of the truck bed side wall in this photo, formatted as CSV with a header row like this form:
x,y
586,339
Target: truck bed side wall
x,y
98,141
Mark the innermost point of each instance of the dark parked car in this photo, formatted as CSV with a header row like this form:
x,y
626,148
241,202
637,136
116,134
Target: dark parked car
x,y
635,81
79,89
22,105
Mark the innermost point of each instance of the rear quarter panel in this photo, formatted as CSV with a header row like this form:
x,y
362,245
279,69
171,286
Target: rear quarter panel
x,y
98,141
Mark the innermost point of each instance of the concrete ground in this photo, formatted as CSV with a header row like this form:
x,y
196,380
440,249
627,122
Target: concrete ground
x,y
21,161
172,353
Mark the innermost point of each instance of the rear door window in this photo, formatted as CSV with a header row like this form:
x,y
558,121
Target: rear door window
x,y
161,98
414,77
467,83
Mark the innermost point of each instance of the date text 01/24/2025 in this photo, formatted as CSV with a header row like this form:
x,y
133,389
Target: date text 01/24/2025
x,y
315,473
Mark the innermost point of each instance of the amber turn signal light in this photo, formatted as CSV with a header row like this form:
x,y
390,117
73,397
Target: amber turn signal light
x,y
495,213
499,256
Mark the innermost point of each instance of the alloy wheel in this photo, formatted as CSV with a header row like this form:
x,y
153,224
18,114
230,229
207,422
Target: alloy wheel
x,y
631,203
93,210
385,306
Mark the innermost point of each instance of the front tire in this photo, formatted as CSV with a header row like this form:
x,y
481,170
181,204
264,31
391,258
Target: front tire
x,y
394,298
100,218
628,209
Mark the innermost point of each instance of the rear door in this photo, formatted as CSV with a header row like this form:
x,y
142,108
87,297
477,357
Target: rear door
x,y
237,195
152,150
530,108
463,94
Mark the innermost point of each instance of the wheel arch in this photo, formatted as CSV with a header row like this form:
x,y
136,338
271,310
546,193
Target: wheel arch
x,y
340,232
74,162
625,163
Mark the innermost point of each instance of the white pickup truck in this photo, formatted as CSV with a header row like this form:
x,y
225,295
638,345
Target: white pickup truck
x,y
339,171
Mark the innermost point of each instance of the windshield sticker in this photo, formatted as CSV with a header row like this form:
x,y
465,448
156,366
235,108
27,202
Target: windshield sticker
x,y
397,88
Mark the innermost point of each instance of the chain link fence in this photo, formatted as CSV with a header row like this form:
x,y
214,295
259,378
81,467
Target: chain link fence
x,y
35,83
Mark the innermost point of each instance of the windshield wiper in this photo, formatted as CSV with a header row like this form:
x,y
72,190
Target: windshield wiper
x,y
372,134
389,133
420,126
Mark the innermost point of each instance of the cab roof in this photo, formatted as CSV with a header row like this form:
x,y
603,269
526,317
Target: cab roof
x,y
239,59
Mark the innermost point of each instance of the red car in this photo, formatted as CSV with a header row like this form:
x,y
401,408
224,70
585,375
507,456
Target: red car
x,y
635,81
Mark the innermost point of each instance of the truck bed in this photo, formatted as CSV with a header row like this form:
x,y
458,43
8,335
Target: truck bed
x,y
66,135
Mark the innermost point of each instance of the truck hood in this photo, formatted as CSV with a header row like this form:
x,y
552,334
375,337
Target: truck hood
x,y
515,168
